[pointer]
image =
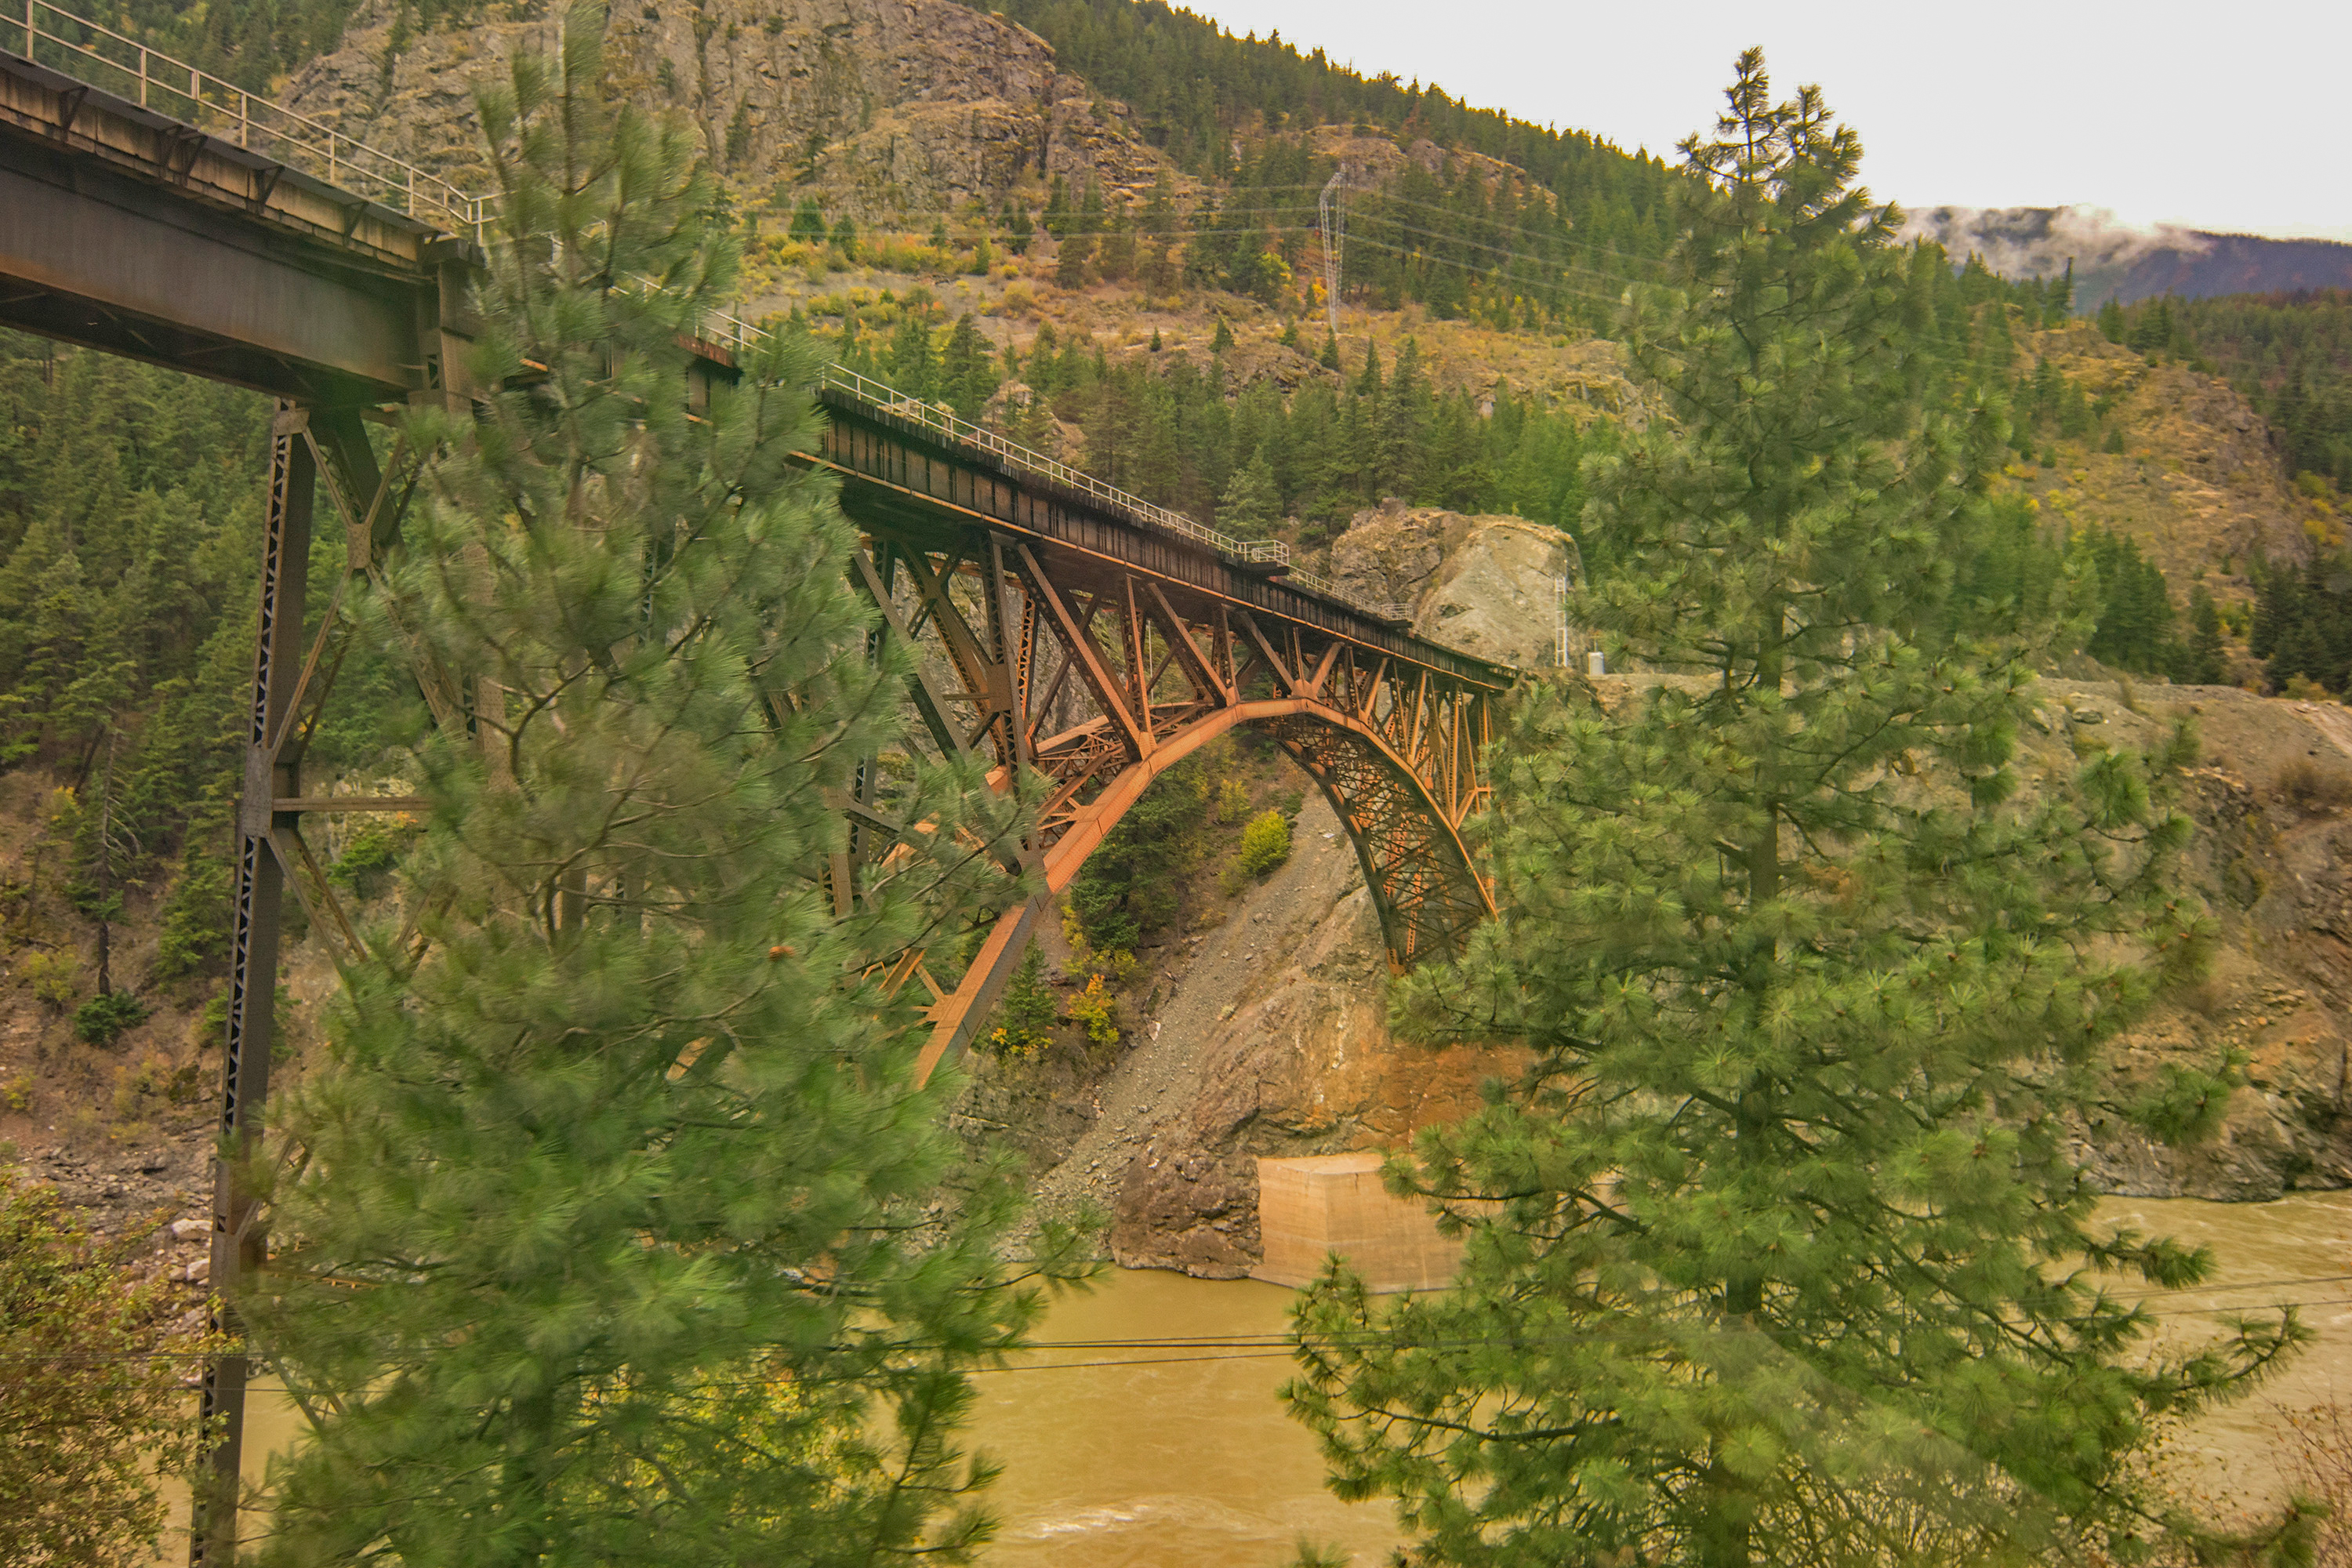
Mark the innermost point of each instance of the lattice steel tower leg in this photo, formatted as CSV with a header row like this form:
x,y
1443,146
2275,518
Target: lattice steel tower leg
x,y
238,1245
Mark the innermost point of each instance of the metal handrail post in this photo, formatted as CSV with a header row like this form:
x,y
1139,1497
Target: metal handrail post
x,y
300,134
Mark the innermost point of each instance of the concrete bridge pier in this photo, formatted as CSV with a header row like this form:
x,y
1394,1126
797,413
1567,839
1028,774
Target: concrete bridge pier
x,y
1313,1206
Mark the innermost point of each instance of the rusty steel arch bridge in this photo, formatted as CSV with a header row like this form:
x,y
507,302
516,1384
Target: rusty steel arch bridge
x,y
1064,630
1070,629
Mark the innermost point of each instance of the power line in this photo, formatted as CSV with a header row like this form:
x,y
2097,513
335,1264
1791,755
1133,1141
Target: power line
x,y
1391,196
1434,260
1495,270
1562,236
1248,1347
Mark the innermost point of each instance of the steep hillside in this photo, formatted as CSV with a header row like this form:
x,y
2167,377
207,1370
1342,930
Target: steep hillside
x,y
1165,328
897,111
2171,456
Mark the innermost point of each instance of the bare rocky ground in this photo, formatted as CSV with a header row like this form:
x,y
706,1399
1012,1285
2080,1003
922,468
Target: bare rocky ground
x,y
1269,1041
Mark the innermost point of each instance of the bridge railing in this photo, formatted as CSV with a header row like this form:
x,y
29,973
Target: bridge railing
x,y
97,54
732,331
170,86
1267,552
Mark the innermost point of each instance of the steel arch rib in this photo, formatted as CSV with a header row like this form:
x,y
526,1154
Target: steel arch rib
x,y
1126,787
954,1015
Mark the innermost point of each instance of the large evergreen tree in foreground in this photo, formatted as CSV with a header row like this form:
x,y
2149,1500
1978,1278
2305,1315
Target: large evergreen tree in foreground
x,y
611,1231
1776,1252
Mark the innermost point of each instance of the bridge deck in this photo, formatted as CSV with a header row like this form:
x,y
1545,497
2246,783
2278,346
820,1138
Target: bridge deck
x,y
908,463
124,229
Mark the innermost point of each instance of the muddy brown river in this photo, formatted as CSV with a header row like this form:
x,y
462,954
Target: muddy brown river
x,y
1177,1458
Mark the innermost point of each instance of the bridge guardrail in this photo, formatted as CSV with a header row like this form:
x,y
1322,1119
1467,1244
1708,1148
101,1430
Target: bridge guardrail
x,y
738,332
1262,552
170,86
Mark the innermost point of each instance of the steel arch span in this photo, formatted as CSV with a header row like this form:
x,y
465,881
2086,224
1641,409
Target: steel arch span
x,y
1097,676
1069,631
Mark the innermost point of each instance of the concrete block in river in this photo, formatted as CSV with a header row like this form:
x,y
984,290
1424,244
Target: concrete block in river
x,y
1313,1206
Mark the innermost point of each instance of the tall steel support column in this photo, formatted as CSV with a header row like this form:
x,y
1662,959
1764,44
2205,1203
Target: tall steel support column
x,y
238,1244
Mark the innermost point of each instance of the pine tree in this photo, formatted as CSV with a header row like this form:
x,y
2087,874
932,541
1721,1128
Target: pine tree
x,y
1118,251
1025,1018
1776,1251
1159,219
967,377
1208,256
2045,390
739,135
2204,665
1404,417
1077,247
807,226
1055,218
614,1239
1251,504
914,364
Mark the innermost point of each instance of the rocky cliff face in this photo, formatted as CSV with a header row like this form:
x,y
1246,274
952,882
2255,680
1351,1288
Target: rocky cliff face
x,y
1277,1022
1488,586
893,110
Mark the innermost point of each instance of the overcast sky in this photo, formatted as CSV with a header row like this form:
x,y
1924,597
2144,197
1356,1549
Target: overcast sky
x,y
2226,117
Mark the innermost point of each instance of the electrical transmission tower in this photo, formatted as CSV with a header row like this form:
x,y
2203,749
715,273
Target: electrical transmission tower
x,y
1332,216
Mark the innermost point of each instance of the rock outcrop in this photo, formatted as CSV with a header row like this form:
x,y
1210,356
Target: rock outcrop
x,y
1488,586
1292,1057
890,110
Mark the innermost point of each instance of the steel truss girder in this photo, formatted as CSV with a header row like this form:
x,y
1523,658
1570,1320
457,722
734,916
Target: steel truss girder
x,y
1099,680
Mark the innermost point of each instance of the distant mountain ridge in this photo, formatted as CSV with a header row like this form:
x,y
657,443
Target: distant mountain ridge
x,y
2115,260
